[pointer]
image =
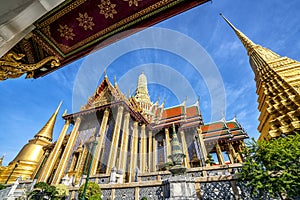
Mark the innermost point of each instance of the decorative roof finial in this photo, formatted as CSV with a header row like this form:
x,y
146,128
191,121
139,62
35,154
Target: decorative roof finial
x,y
2,158
65,113
223,117
105,74
129,92
115,81
248,44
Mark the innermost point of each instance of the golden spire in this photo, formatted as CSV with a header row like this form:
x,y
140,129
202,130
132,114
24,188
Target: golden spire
x,y
279,83
47,130
248,44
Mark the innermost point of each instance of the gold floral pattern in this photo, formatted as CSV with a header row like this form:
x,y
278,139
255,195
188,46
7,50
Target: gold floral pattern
x,y
107,9
133,2
85,21
66,32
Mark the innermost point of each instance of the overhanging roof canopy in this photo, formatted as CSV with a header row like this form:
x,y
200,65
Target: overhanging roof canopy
x,y
74,28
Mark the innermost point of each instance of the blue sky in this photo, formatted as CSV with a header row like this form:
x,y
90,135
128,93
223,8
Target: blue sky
x,y
26,105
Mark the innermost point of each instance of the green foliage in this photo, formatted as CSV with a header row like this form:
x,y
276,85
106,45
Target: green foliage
x,y
2,187
93,191
43,191
144,198
209,160
272,167
62,191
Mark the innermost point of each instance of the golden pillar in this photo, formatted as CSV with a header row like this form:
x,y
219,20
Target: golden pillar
x,y
67,153
150,151
80,165
185,150
154,153
115,139
100,141
133,152
231,154
143,148
168,143
124,144
48,167
241,145
202,144
234,154
219,154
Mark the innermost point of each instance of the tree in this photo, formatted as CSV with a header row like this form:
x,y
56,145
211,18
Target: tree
x,y
62,191
209,160
273,167
43,191
2,187
93,191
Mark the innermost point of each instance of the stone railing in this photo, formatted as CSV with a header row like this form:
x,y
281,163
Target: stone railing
x,y
211,182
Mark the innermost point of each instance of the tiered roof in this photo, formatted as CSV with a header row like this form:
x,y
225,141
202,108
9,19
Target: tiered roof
x,y
223,130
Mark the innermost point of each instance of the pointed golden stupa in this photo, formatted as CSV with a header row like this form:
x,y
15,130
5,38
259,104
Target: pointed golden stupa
x,y
278,89
30,155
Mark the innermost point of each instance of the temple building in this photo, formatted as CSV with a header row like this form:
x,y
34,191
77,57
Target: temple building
x,y
278,89
113,133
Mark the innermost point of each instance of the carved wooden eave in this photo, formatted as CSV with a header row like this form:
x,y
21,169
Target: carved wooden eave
x,y
12,65
76,27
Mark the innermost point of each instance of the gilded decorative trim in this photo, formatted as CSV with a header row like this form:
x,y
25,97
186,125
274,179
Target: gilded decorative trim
x,y
115,28
61,13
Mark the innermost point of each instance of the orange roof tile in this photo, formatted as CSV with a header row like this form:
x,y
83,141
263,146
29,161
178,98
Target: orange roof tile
x,y
232,125
192,111
213,127
172,112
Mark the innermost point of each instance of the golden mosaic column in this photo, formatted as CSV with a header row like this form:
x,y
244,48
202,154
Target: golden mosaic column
x,y
133,152
233,154
54,154
150,151
80,164
66,154
100,141
114,143
185,150
143,148
219,154
154,154
202,144
168,143
124,144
